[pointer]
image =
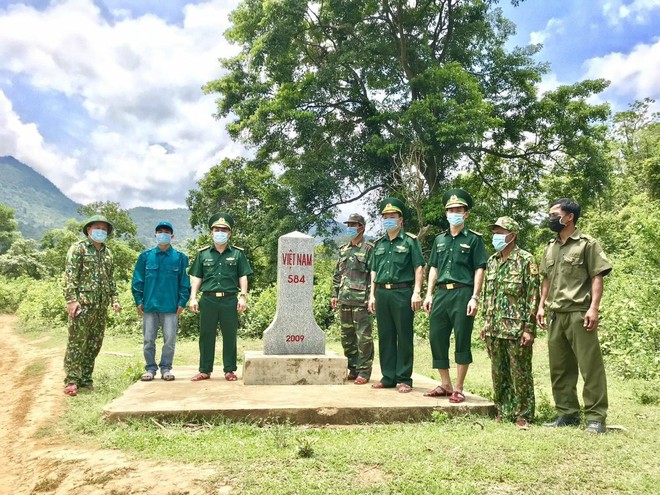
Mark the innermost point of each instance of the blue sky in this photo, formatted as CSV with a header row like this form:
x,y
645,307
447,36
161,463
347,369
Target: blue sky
x,y
103,96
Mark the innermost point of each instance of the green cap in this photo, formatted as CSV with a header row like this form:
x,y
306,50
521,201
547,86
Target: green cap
x,y
392,205
97,218
457,197
356,218
222,219
507,223
166,224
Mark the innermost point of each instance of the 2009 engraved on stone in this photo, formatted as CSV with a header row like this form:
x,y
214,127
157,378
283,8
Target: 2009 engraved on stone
x,y
295,338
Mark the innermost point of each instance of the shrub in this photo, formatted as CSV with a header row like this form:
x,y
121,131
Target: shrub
x,y
42,305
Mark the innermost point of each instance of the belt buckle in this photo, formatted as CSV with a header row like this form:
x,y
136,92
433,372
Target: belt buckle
x,y
219,294
388,286
450,286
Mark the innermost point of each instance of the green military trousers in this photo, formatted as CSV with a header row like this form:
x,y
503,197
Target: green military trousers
x,y
513,382
449,310
86,333
356,339
571,347
214,312
395,335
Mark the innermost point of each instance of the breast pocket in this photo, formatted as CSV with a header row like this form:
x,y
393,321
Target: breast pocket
x,y
513,283
151,270
400,255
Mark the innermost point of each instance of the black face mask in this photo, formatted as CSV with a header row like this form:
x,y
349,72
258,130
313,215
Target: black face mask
x,y
554,223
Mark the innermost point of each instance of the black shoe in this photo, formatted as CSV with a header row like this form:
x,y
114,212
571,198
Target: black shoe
x,y
595,427
563,421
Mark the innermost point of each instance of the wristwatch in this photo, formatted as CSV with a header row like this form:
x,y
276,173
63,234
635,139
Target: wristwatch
x,y
476,298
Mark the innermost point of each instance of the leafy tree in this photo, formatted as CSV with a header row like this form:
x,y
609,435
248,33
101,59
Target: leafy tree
x,y
124,227
23,259
55,245
8,227
332,94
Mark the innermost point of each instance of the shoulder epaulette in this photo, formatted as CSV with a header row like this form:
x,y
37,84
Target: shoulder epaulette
x,y
413,236
239,248
203,248
369,243
476,233
379,239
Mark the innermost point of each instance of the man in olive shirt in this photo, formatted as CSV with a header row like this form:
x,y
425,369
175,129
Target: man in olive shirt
x,y
221,272
573,267
350,292
458,259
397,272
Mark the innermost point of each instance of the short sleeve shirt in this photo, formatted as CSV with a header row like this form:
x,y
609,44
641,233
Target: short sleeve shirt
x,y
569,268
457,258
394,261
220,271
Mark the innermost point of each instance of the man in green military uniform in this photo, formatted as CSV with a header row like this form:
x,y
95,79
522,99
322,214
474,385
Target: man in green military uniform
x,y
511,295
397,273
458,259
89,288
350,293
573,267
220,271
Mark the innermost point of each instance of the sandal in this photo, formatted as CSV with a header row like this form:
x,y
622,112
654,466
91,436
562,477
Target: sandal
x,y
360,380
147,376
230,376
71,390
457,397
404,388
167,376
378,385
438,391
200,376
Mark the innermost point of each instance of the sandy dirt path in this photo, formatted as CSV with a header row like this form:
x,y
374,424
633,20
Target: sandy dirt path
x,y
43,464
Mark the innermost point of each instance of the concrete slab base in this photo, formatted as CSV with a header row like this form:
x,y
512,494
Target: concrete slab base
x,y
294,369
310,404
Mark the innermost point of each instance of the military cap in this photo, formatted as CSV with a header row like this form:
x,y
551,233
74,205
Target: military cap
x,y
507,223
356,218
222,219
97,218
457,197
166,224
392,205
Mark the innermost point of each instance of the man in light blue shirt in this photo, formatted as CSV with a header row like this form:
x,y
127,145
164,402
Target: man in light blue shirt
x,y
161,289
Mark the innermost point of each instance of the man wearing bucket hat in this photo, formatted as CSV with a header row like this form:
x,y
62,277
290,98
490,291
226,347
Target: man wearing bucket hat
x,y
397,273
511,295
161,289
458,259
220,271
89,288
350,293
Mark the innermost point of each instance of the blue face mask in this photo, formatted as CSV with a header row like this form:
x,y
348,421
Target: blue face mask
x,y
352,232
390,224
220,237
499,242
98,235
455,219
163,238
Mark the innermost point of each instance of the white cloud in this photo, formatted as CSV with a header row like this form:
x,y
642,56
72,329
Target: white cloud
x,y
636,11
152,132
553,27
633,75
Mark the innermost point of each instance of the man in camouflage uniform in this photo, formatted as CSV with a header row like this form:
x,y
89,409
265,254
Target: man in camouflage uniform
x,y
350,292
511,295
89,288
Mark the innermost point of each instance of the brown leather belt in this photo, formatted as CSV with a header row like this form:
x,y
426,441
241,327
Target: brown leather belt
x,y
218,294
394,286
452,286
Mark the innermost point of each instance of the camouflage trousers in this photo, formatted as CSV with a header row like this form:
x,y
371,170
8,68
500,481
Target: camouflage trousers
x,y
85,339
513,383
357,339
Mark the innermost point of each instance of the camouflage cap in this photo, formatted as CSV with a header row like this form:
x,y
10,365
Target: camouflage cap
x,y
166,224
222,219
97,218
392,205
356,218
457,197
507,223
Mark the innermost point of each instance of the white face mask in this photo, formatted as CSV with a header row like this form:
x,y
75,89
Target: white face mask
x,y
455,219
220,237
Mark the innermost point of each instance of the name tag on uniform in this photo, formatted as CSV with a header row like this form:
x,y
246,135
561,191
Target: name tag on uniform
x,y
401,249
465,246
208,262
231,259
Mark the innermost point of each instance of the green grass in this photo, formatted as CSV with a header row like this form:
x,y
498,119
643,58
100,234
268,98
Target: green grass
x,y
464,455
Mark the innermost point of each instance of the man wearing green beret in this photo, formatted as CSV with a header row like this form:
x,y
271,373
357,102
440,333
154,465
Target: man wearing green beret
x,y
397,273
572,270
89,288
511,295
458,259
221,272
350,293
